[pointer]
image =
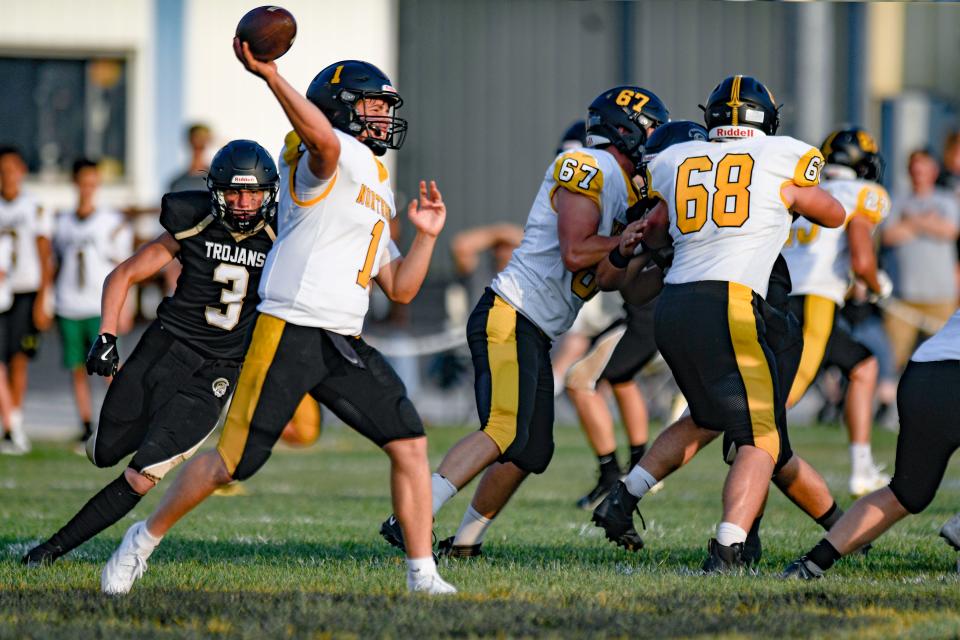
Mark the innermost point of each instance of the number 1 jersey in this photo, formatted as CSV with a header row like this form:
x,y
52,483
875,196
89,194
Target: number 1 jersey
x,y
216,296
536,283
728,219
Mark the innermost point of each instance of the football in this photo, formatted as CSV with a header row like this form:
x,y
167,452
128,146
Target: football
x,y
270,31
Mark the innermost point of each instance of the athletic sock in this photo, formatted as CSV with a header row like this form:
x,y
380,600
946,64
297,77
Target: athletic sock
x,y
755,528
729,534
424,566
828,519
472,529
114,501
823,555
609,468
639,481
87,429
636,452
861,458
442,490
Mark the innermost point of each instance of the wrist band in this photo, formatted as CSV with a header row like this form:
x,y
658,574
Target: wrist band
x,y
617,259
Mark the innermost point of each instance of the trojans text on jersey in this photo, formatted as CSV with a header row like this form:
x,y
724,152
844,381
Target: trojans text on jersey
x,y
234,254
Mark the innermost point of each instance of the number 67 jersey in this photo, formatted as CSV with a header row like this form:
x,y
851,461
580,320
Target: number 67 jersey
x,y
216,296
728,219
536,283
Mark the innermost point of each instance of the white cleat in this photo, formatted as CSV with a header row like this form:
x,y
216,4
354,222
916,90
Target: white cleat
x,y
430,584
128,563
20,440
867,481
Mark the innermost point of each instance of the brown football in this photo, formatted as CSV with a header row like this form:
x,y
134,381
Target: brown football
x,y
269,31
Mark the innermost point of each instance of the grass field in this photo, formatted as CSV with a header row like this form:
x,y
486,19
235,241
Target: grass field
x,y
299,556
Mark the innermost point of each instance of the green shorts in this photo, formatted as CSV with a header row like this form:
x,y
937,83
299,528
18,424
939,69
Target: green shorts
x,y
76,337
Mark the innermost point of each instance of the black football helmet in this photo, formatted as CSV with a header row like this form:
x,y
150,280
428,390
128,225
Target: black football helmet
x,y
621,116
670,134
336,91
741,101
855,148
243,165
575,136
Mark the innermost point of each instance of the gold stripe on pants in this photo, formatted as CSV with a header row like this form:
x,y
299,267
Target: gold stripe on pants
x,y
817,326
504,373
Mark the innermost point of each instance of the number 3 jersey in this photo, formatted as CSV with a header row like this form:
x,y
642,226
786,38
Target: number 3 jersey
x,y
728,220
333,238
818,257
536,283
216,297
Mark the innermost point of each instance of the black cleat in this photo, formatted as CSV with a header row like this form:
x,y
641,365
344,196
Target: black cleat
x,y
752,548
723,559
802,569
41,555
604,486
392,533
446,549
614,515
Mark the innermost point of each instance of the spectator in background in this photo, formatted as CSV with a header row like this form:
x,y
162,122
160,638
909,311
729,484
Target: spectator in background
x,y
194,178
30,276
89,242
922,229
950,176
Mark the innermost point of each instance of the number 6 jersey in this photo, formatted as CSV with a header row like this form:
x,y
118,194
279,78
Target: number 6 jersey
x,y
536,283
728,220
216,296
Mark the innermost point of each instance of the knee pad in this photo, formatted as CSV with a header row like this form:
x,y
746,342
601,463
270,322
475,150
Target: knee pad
x,y
913,499
535,461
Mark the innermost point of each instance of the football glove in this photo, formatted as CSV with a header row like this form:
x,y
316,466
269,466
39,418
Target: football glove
x,y
103,358
886,288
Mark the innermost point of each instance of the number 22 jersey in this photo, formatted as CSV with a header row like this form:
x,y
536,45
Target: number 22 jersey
x,y
536,283
728,220
216,296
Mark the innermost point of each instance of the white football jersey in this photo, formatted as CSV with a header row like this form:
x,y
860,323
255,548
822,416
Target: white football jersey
x,y
6,264
87,250
819,257
333,238
535,282
944,345
24,220
728,220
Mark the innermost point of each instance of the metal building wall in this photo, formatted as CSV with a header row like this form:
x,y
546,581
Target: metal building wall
x,y
490,85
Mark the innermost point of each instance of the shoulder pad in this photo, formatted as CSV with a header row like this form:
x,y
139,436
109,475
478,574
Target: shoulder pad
x,y
183,210
805,161
872,203
579,172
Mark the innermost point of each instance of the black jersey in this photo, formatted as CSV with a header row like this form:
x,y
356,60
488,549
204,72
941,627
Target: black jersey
x,y
216,297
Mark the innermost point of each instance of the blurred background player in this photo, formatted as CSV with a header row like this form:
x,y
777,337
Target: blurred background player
x,y
24,220
169,394
89,242
922,230
531,303
821,261
336,201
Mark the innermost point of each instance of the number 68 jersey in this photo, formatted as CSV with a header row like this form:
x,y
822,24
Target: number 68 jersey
x,y
536,283
216,296
728,220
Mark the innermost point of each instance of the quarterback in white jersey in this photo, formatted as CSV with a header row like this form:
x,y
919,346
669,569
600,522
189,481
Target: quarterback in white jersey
x,y
929,404
569,232
335,206
821,262
729,203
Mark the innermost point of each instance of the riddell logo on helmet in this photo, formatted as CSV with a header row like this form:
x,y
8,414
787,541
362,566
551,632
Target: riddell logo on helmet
x,y
244,180
734,132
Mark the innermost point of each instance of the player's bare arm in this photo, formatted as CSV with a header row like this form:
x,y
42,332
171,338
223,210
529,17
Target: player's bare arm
x,y
815,204
308,121
612,276
468,245
578,218
41,318
401,278
863,260
147,261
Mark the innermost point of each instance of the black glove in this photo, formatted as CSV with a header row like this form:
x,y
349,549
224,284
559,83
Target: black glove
x,y
103,358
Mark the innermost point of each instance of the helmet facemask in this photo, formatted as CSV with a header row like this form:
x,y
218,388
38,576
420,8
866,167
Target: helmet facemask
x,y
244,221
382,131
627,136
